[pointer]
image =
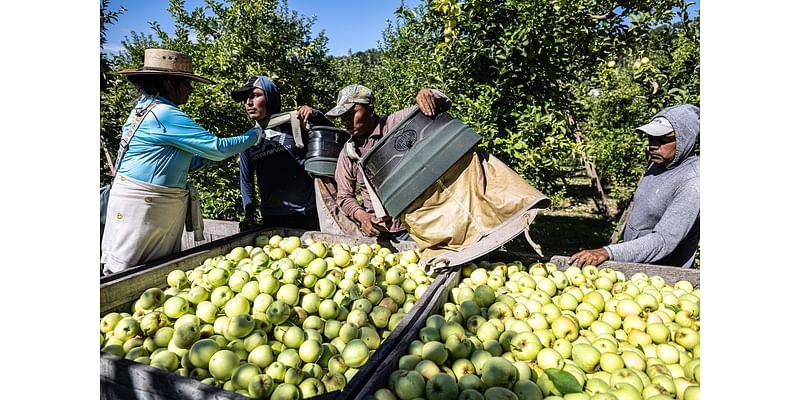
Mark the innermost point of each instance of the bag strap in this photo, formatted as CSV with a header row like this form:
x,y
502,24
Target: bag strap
x,y
298,129
126,139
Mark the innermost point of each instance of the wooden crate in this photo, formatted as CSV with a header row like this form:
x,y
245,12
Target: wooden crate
x,y
670,274
213,229
451,279
125,379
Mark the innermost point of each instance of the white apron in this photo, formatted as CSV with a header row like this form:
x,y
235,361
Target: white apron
x,y
144,222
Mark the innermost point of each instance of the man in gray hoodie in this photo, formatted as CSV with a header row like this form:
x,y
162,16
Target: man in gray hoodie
x,y
664,224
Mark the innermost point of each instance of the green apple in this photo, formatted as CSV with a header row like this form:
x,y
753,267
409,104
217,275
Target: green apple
x,y
218,277
379,316
285,391
250,290
527,390
109,321
239,326
201,352
268,283
237,280
327,309
290,358
152,322
186,335
356,353
279,312
337,364
289,294
409,385
310,351
311,387
256,338
165,360
441,386
261,356
370,336
238,305
409,361
126,328
177,279
260,386
334,381
276,371
565,328
243,375
151,298
525,346
549,358
221,295
458,346
498,372
499,393
586,357
435,351
626,376
427,368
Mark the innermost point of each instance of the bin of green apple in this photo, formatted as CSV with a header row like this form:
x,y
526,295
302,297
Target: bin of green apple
x,y
281,318
511,331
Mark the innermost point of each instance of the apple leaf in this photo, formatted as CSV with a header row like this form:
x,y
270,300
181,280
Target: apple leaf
x,y
672,307
564,381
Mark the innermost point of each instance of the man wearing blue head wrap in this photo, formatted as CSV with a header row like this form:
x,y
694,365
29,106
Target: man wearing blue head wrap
x,y
285,190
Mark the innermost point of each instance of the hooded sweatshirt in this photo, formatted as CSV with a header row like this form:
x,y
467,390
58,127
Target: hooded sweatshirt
x,y
664,224
284,186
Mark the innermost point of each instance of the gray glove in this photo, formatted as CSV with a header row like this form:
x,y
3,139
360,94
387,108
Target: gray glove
x,y
246,224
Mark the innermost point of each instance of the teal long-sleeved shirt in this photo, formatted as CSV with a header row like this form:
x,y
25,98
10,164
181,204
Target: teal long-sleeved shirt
x,y
169,144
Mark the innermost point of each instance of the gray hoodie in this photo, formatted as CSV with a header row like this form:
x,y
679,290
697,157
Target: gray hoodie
x,y
664,224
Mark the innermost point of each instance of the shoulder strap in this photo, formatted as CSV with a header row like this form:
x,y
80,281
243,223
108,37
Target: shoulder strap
x,y
298,129
123,143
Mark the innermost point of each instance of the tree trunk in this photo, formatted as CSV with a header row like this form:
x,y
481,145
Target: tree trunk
x,y
600,201
108,156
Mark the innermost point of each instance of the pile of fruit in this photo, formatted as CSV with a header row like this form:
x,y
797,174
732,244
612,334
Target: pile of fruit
x,y
281,319
511,332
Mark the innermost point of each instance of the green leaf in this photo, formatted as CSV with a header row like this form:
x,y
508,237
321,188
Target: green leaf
x,y
564,381
672,307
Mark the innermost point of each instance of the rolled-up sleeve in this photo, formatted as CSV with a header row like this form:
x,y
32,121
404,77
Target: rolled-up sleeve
x,y
346,186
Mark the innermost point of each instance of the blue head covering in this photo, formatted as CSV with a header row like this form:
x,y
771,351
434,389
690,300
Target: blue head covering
x,y
271,93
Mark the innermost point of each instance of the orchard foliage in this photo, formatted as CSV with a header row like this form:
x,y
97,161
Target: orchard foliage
x,y
518,72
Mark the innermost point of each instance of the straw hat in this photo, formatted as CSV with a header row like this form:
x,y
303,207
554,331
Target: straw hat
x,y
166,62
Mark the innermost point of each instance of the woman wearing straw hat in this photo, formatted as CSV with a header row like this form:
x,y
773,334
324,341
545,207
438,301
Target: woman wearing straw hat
x,y
150,199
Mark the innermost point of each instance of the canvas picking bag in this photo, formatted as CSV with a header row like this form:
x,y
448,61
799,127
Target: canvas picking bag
x,y
457,201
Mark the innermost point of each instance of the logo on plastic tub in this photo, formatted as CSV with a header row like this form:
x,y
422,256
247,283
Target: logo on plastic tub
x,y
405,140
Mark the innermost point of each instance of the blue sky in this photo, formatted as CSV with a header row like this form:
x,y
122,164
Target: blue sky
x,y
348,24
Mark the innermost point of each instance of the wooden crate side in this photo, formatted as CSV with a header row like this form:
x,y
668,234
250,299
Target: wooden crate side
x,y
388,364
366,373
670,274
122,379
118,295
213,229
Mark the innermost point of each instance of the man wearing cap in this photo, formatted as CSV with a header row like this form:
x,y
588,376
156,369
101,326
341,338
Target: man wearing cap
x,y
150,197
285,190
355,107
664,224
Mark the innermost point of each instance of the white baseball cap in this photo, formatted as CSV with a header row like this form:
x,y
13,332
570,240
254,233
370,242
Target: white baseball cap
x,y
659,126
